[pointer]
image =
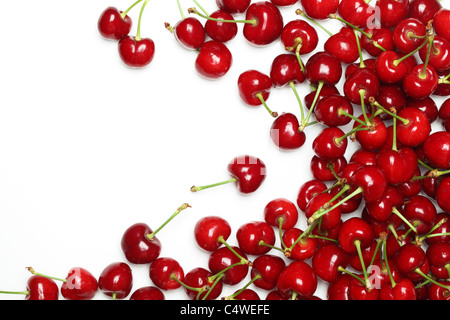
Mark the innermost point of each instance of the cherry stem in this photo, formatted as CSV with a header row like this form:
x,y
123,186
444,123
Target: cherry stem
x,y
431,279
216,281
243,260
138,32
339,140
425,165
361,58
340,268
199,188
292,85
393,283
342,112
305,234
383,109
260,97
194,10
423,73
362,93
304,123
334,16
399,60
436,226
184,206
201,8
174,277
16,292
411,34
258,276
181,10
398,214
280,231
262,243
301,13
124,14
297,54
361,259
43,275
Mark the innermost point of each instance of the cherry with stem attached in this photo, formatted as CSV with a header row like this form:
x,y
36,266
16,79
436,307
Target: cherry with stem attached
x,y
38,288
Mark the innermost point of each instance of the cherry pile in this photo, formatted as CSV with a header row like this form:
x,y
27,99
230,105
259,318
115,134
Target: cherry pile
x,y
378,223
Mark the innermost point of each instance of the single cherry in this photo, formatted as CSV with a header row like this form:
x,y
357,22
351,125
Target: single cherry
x,y
211,231
116,280
214,60
267,23
113,24
148,293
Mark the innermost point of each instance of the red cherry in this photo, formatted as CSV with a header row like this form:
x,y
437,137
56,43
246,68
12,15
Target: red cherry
x,y
207,287
148,293
300,250
286,70
281,213
323,67
342,47
116,280
255,238
412,187
398,165
283,3
285,132
389,69
266,269
408,34
438,254
414,131
214,60
210,231
359,291
374,133
404,289
420,82
299,36
245,295
329,219
420,212
392,98
38,288
137,247
163,271
136,52
329,261
80,284
324,170
368,255
319,9
442,226
113,25
409,259
332,110
356,12
298,278
392,12
339,290
219,30
427,105
371,180
190,33
324,91
307,191
330,144
254,88
436,149
364,157
233,6
424,10
355,232
361,84
439,292
224,257
374,38
267,26
440,23
442,193
439,57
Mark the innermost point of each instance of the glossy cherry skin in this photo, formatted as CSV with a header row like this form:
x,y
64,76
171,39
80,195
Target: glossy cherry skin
x,y
357,12
438,254
137,247
249,171
303,249
286,70
424,10
218,30
283,3
418,87
362,79
268,26
342,47
251,234
161,271
382,36
327,110
252,82
326,146
281,213
297,277
436,149
307,191
404,289
112,26
349,206
214,60
245,295
391,97
420,212
190,33
439,56
358,291
299,32
381,210
442,193
414,133
332,218
399,166
323,170
438,293
116,280
374,137
412,187
202,278
392,12
233,6
323,67
136,53
339,290
41,288
409,258
406,34
80,284
324,92
365,157
208,230
444,229
285,132
223,258
368,63
387,70
352,230
327,260
319,9
148,293
371,180
267,268
440,23
427,105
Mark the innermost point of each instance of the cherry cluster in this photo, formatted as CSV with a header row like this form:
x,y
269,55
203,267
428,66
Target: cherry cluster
x,y
378,223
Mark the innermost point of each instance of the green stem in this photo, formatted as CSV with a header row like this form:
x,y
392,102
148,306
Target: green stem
x,y
301,13
292,85
342,112
216,281
362,65
334,16
174,277
399,60
16,292
398,214
258,276
199,188
124,13
393,283
425,165
201,8
184,206
361,260
341,269
45,276
138,32
431,279
243,260
345,136
193,10
394,134
423,73
394,115
313,105
263,102
362,93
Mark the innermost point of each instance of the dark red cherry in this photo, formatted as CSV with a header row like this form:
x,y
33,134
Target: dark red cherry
x,y
343,48
420,82
298,278
440,23
285,132
409,258
436,149
325,90
137,247
439,57
233,6
404,289
300,250
355,230
420,212
214,60
324,170
398,165
339,290
374,133
307,191
224,257
218,30
286,70
267,26
392,98
392,12
333,110
299,35
113,25
209,231
116,280
389,68
190,33
329,144
365,157
148,293
439,292
283,3
374,37
442,227
442,198
415,130
281,213
254,88
359,291
323,67
162,272
356,12
361,83
331,218
371,180
40,288
438,254
266,269
256,237
427,105
328,261
409,34
319,9
249,171
424,10
80,284
135,52
208,287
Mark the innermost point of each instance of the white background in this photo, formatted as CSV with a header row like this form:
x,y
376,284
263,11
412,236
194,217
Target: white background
x,y
89,147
